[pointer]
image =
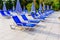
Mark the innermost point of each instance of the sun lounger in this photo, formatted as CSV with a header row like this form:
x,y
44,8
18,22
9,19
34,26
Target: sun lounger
x,y
30,20
22,24
5,14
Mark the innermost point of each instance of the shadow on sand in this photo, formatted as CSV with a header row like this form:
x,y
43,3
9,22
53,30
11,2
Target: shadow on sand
x,y
37,30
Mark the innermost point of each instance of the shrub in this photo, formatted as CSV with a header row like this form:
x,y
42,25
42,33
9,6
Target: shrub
x,y
56,5
28,6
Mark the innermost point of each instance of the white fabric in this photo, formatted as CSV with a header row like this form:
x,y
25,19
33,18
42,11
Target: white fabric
x,y
21,19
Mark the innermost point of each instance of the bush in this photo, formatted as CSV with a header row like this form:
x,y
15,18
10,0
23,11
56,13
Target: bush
x,y
28,6
1,4
56,5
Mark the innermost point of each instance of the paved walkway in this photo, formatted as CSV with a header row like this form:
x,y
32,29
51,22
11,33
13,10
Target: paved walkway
x,y
48,30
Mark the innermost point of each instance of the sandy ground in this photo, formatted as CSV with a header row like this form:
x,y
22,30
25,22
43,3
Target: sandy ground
x,y
48,30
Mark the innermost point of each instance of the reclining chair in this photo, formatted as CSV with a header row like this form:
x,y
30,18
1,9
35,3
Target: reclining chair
x,y
30,20
5,14
22,24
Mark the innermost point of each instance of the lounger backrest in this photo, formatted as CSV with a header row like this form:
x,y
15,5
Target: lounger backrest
x,y
16,20
33,15
8,12
34,12
39,11
45,7
19,23
3,14
24,17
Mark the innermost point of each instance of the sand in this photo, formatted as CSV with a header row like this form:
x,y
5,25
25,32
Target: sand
x,y
48,30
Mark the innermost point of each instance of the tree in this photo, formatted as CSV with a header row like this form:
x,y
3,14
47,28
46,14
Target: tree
x,y
1,4
56,4
42,2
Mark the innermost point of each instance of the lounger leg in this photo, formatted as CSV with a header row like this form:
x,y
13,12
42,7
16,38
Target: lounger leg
x,y
20,28
12,27
7,17
16,27
29,29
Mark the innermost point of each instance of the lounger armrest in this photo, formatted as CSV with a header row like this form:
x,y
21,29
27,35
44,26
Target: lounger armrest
x,y
20,24
37,16
34,19
31,22
25,22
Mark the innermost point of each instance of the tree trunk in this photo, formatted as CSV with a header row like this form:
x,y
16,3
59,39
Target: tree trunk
x,y
34,2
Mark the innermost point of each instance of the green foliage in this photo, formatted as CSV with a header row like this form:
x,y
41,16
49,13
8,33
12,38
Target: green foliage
x,y
37,6
56,4
9,5
1,4
28,6
48,2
